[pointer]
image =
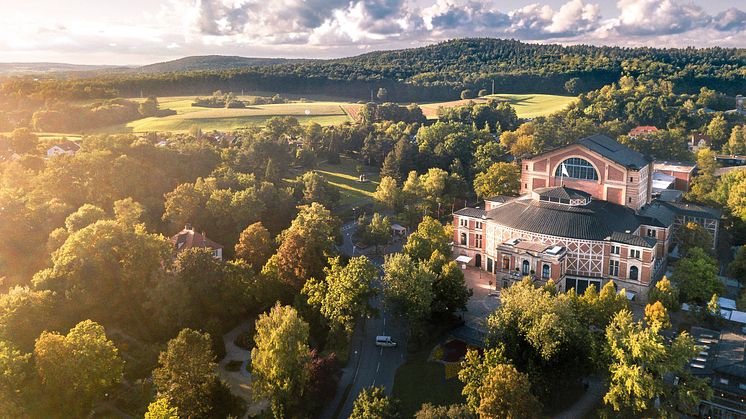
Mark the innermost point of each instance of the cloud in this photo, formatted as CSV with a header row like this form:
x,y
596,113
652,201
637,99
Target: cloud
x,y
329,28
659,17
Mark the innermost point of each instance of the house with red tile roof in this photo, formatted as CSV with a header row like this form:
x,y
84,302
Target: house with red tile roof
x,y
188,239
642,131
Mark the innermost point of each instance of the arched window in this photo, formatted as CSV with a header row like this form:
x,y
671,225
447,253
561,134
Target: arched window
x,y
525,267
506,263
545,270
463,239
633,272
577,168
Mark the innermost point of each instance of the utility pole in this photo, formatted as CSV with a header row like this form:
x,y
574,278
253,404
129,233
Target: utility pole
x,y
493,86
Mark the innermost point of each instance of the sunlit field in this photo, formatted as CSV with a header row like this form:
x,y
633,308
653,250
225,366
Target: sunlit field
x,y
526,105
345,177
324,113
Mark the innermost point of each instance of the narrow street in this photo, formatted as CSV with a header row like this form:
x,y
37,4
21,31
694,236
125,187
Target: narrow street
x,y
369,365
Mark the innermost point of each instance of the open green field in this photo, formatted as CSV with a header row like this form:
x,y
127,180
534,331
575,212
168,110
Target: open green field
x,y
324,113
526,105
345,177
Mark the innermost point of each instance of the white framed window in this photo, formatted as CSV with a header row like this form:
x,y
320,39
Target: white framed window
x,y
634,253
577,168
614,249
463,239
478,225
651,232
463,222
546,270
478,240
613,268
634,273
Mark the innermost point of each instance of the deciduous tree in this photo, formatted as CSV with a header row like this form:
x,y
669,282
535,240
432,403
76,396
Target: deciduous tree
x,y
77,369
499,179
409,285
280,358
429,237
696,276
506,393
343,297
255,245
372,403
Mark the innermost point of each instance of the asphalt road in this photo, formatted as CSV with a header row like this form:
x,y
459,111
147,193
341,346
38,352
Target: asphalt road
x,y
369,365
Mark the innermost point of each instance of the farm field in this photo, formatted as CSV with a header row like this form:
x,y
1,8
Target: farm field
x,y
526,105
324,113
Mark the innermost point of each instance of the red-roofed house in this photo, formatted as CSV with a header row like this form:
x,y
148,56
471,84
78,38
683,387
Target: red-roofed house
x,y
642,131
188,238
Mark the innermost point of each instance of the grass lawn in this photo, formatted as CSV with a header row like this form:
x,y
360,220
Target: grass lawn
x,y
419,381
345,177
526,105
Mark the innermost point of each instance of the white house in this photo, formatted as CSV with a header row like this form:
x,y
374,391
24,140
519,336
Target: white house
x,y
66,147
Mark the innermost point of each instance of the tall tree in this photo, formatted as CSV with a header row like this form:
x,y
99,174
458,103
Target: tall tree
x,y
409,285
506,393
13,380
696,276
388,193
693,235
474,370
280,359
77,369
304,247
372,403
187,379
450,293
429,237
161,409
344,296
255,245
666,293
499,179
641,360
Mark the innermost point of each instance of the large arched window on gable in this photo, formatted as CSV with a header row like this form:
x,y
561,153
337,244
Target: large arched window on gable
x,y
577,168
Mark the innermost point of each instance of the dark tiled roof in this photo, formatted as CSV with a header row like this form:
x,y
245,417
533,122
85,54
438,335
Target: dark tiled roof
x,y
657,214
471,212
562,192
632,239
694,210
615,151
595,221
500,199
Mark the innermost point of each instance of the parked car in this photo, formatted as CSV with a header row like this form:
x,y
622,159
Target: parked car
x,y
385,342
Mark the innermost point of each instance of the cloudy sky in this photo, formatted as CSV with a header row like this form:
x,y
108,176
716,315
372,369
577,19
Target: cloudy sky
x,y
145,31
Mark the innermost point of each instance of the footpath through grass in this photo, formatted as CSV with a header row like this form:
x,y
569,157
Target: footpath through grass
x,y
345,177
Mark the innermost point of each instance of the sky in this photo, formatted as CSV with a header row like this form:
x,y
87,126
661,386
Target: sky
x,y
134,32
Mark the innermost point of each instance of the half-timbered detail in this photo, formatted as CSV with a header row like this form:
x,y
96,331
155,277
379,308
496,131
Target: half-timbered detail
x,y
585,217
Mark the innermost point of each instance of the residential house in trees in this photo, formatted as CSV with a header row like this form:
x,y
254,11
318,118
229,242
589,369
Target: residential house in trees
x,y
188,239
66,147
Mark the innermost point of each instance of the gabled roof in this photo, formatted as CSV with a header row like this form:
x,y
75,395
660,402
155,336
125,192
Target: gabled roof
x,y
67,145
562,192
632,240
500,199
188,238
693,210
614,151
657,214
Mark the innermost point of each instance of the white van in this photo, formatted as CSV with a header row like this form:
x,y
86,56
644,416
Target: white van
x,y
385,341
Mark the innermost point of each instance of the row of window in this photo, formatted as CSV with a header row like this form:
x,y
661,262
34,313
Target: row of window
x,y
633,253
464,222
634,271
477,240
